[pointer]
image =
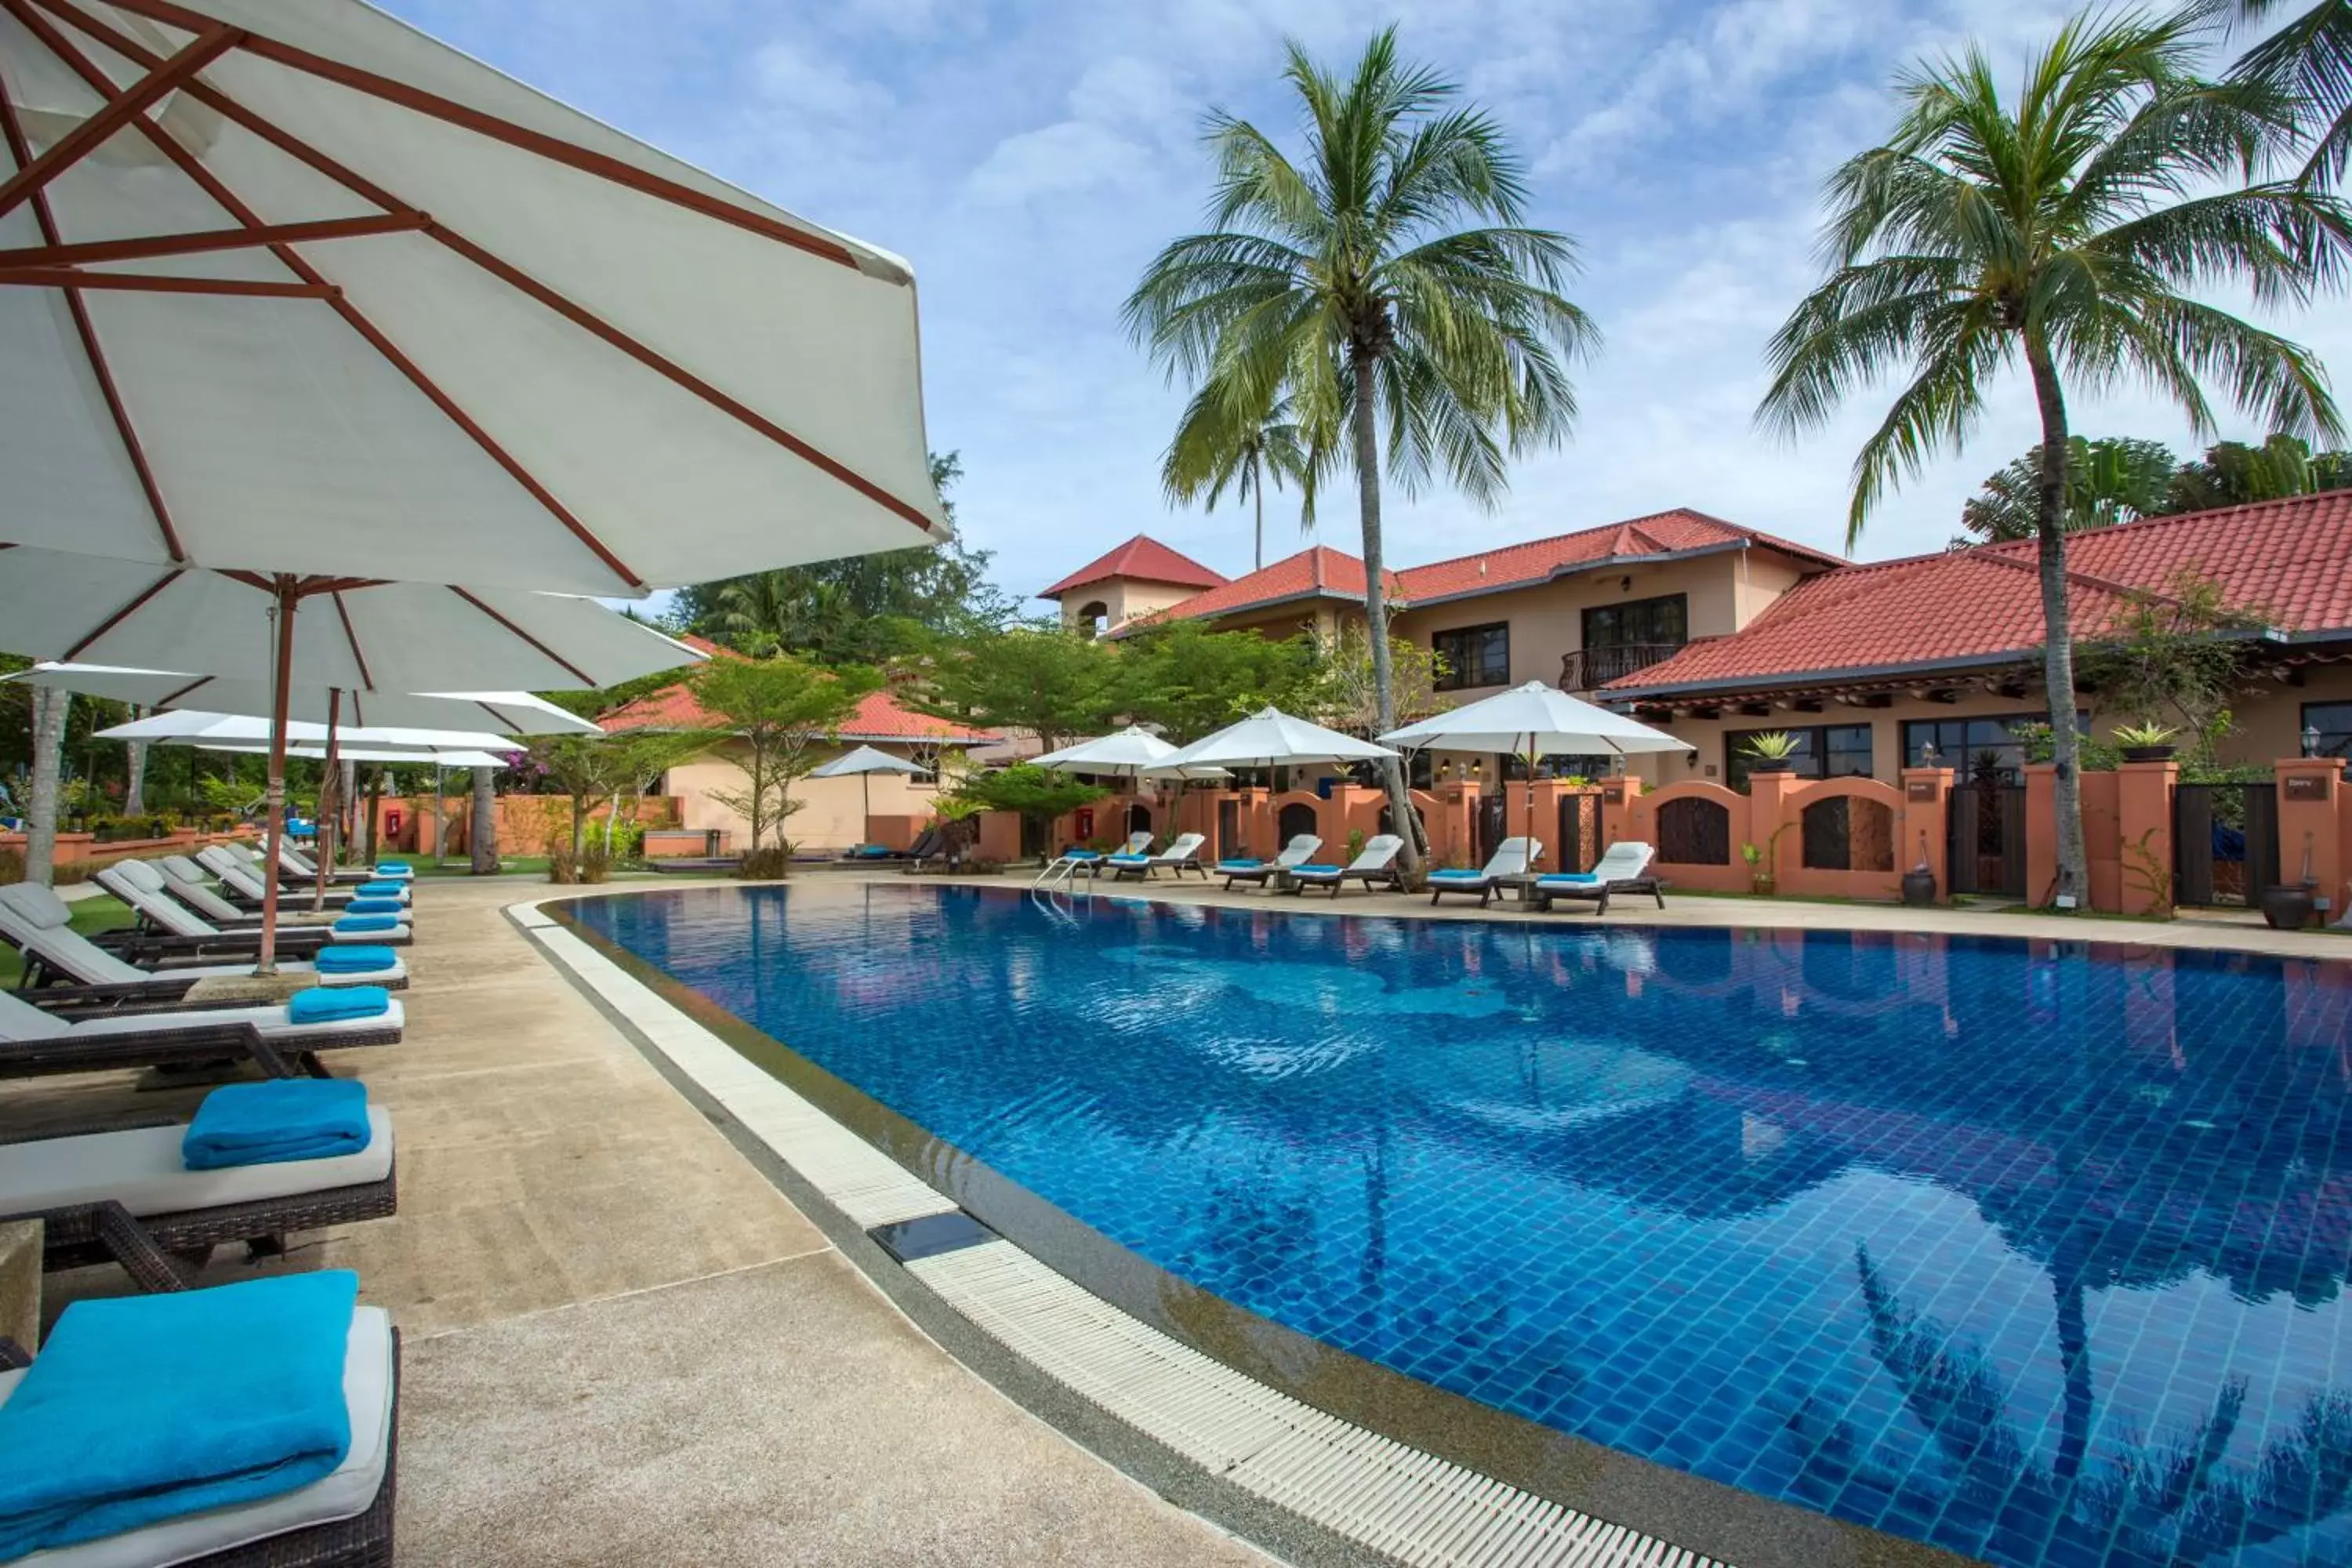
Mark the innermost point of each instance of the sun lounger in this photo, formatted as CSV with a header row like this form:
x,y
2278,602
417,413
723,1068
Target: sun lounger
x,y
1297,852
127,1194
241,879
171,926
34,1041
303,866
36,922
1375,867
1512,859
1624,868
1182,856
172,1363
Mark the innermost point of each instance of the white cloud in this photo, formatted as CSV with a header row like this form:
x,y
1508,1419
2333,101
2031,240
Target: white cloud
x,y
1059,159
794,80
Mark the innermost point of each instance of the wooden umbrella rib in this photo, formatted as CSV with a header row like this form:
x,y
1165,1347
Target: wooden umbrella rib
x,y
153,283
569,667
124,614
343,614
123,105
86,331
171,698
230,202
553,147
367,189
147,247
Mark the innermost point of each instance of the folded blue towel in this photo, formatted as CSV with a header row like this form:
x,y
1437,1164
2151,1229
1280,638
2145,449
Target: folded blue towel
x,y
283,1119
1457,876
1239,864
1315,870
1080,854
378,890
393,868
363,924
1130,860
332,1004
351,958
146,1408
1581,878
374,907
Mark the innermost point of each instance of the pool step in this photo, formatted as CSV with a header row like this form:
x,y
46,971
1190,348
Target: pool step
x,y
1394,1498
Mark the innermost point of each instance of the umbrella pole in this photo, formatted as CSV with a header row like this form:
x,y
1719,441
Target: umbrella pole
x,y
326,772
439,825
865,801
283,591
1530,866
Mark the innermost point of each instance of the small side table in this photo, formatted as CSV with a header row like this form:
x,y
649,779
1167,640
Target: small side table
x,y
20,1282
1521,887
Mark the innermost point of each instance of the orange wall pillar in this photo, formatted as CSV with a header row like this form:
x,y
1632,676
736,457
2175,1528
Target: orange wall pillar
x,y
1770,823
2310,818
2144,825
1620,807
2040,832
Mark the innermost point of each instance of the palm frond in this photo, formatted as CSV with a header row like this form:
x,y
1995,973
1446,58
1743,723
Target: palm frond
x,y
2311,59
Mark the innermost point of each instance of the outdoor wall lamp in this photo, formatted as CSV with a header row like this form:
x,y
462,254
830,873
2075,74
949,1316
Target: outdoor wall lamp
x,y
2311,739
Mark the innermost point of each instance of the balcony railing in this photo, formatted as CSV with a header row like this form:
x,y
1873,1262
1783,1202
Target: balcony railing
x,y
1589,669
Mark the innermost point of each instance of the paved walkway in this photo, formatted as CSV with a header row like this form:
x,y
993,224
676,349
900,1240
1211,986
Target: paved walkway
x,y
623,1343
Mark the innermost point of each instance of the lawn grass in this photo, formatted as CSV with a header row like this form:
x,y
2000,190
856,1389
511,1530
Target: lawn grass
x,y
90,916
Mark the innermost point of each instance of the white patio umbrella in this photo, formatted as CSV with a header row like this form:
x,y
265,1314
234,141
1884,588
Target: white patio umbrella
x,y
1271,738
300,288
1532,721
179,729
864,763
1131,752
500,712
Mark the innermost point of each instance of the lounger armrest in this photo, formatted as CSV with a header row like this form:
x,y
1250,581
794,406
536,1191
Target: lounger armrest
x,y
164,944
187,1042
68,1001
127,1242
14,1357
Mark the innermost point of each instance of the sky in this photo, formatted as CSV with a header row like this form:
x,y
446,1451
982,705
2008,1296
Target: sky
x,y
1030,159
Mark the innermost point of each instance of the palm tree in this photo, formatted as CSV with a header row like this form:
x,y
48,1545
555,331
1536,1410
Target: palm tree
x,y
2108,481
1387,277
1218,445
2310,57
2066,229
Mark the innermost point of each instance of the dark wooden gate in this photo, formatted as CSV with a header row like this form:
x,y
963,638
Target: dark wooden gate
x,y
1294,819
1492,809
1578,844
2224,842
1229,830
1985,843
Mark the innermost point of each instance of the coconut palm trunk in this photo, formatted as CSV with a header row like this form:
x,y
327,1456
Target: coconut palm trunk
x,y
51,709
135,785
1366,366
2058,649
483,838
1257,494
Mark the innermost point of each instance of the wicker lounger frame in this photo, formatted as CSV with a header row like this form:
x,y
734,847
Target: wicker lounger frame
x,y
1387,876
163,1251
188,1045
362,1540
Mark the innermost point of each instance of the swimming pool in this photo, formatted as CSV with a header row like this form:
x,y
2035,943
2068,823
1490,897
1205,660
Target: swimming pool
x,y
2034,1252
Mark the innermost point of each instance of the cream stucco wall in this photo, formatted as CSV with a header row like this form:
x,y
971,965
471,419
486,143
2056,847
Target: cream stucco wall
x,y
831,813
1122,598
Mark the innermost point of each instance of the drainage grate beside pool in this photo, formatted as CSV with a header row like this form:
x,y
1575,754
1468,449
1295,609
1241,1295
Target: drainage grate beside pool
x,y
1394,1498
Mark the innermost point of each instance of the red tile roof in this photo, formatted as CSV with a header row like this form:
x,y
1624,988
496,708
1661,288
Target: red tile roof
x,y
1325,572
2290,561
1144,558
879,716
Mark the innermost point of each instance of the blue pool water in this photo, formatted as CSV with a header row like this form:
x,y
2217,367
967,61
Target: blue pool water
x,y
2034,1252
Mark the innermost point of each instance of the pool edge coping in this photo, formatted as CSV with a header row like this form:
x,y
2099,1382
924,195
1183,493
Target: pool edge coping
x,y
934,1300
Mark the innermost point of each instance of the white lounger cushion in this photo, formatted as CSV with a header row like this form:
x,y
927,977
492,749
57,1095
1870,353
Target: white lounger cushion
x,y
142,1170
347,1491
21,1020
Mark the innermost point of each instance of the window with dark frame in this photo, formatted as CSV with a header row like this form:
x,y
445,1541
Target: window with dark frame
x,y
2332,721
1474,656
1824,752
1980,751
1662,620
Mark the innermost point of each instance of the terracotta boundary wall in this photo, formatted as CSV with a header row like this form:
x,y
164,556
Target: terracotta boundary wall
x,y
84,851
521,820
1772,817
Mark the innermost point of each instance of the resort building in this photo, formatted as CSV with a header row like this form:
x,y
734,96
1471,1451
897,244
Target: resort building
x,y
835,813
1715,631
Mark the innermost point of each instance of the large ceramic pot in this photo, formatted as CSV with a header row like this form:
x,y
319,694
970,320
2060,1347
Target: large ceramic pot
x,y
1919,887
1769,765
2150,753
2288,908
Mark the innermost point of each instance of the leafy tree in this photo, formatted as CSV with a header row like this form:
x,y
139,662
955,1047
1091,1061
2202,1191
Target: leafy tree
x,y
1387,278
1344,698
2310,58
1039,795
2067,230
2233,473
862,609
586,768
1220,445
1045,680
2170,660
779,711
1189,681
2108,481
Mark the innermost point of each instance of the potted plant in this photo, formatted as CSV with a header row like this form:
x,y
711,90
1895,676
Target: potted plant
x,y
1770,752
2149,743
1919,882
1760,870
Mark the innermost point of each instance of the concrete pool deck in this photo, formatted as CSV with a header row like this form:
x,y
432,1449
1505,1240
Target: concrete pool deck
x,y
626,1343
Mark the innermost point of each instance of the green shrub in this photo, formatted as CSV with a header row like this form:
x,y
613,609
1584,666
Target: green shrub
x,y
772,864
595,866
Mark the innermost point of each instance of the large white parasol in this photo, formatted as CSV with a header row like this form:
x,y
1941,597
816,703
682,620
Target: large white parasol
x,y
862,764
1128,753
503,713
1532,721
297,289
1271,738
